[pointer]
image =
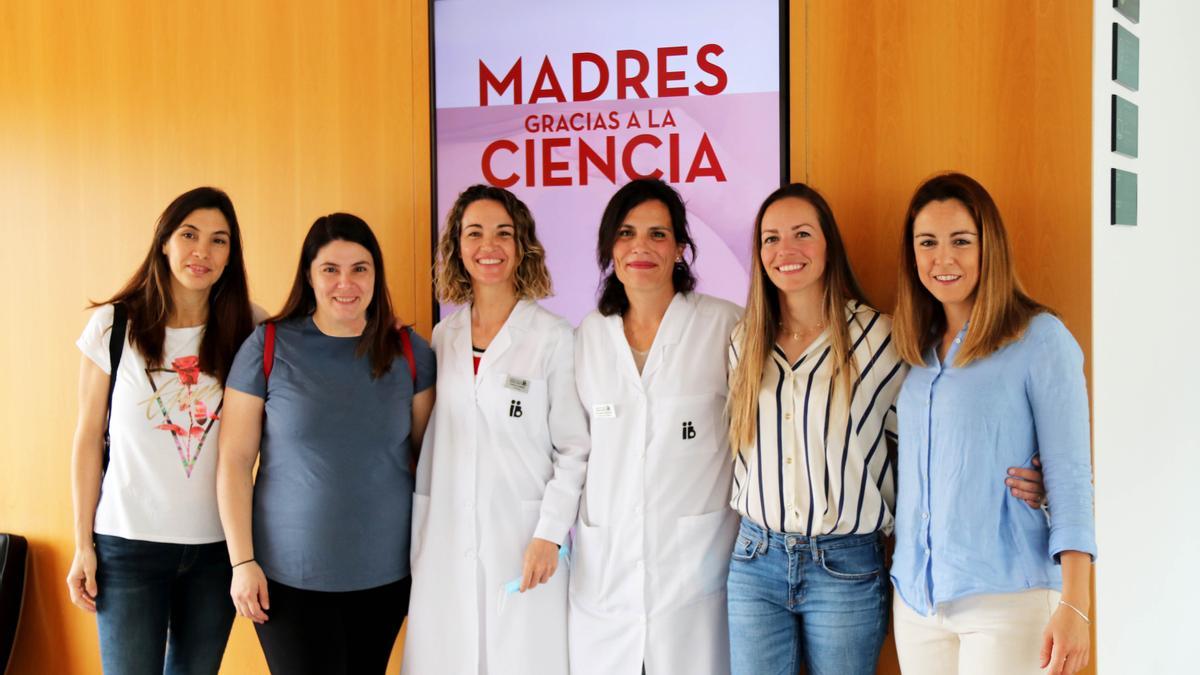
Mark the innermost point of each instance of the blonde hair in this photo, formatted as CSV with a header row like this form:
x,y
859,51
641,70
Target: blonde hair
x,y
1002,310
531,279
755,334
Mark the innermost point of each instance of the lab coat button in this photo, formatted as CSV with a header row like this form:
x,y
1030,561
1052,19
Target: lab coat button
x,y
925,516
469,553
470,506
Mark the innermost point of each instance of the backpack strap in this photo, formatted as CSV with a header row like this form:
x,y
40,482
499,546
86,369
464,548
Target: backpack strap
x,y
116,346
406,345
268,349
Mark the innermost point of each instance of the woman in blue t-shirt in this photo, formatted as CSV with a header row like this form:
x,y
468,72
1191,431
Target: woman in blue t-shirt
x,y
985,585
336,398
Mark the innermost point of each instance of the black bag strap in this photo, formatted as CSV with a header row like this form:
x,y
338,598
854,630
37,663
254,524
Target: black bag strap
x,y
116,345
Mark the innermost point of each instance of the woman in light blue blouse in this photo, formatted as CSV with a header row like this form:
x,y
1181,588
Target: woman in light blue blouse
x,y
983,584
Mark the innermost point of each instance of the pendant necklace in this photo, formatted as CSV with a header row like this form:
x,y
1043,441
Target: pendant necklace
x,y
795,333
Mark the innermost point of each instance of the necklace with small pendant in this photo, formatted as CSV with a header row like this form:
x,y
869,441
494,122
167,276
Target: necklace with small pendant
x,y
795,334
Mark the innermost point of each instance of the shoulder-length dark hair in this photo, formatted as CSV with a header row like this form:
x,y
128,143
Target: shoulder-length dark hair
x,y
633,194
147,294
379,340
1002,309
531,279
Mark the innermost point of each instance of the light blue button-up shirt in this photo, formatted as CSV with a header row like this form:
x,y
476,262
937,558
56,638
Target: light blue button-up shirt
x,y
959,531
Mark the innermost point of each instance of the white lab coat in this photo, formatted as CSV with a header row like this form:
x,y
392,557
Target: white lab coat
x,y
503,461
655,531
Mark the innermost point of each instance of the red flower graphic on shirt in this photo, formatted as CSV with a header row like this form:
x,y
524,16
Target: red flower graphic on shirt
x,y
188,369
189,435
200,410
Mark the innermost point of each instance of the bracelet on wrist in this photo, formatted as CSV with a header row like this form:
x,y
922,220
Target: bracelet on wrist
x,y
1078,611
252,560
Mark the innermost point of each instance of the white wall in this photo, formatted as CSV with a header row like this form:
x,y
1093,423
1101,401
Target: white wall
x,y
1146,353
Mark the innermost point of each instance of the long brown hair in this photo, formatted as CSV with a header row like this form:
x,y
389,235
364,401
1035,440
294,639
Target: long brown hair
x,y
531,279
147,294
1002,310
379,340
755,334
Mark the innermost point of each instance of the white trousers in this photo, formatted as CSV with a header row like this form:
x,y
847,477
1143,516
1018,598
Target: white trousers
x,y
977,635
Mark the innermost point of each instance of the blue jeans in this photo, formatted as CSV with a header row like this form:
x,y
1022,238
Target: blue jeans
x,y
162,608
823,600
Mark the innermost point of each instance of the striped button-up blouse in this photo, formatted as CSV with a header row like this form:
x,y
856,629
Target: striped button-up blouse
x,y
818,466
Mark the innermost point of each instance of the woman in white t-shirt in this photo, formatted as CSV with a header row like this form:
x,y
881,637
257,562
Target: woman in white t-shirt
x,y
149,550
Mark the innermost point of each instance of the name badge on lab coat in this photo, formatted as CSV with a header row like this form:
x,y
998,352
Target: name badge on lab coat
x,y
604,411
517,383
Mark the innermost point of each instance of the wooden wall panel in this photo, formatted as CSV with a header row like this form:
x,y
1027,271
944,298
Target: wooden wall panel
x,y
998,90
107,111
897,91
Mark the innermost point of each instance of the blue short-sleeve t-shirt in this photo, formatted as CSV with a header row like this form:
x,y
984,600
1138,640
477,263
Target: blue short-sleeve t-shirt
x,y
333,495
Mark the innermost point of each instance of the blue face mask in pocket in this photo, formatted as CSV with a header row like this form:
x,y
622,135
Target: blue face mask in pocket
x,y
514,587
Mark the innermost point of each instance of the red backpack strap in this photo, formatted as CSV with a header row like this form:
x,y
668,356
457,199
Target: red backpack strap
x,y
268,350
406,345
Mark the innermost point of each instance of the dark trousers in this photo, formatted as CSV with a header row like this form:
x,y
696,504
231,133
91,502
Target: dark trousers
x,y
332,633
162,608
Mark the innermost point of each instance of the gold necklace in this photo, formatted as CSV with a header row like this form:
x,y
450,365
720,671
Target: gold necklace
x,y
795,334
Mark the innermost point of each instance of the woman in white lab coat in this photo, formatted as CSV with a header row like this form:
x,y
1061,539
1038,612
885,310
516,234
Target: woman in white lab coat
x,y
503,462
655,531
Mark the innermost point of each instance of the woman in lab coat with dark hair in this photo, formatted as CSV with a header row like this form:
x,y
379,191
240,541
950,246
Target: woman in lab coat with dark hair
x,y
654,532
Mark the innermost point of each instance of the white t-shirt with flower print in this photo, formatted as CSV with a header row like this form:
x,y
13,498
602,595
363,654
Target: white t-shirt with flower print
x,y
161,479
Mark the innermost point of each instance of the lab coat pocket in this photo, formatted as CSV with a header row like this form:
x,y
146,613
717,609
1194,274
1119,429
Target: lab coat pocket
x,y
420,518
703,545
531,512
611,433
696,424
587,563
521,406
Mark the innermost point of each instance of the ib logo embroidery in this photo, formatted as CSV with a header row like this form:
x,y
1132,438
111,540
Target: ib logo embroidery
x,y
689,431
514,409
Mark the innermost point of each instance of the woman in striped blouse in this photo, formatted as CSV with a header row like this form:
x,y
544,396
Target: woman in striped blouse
x,y
812,423
814,379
